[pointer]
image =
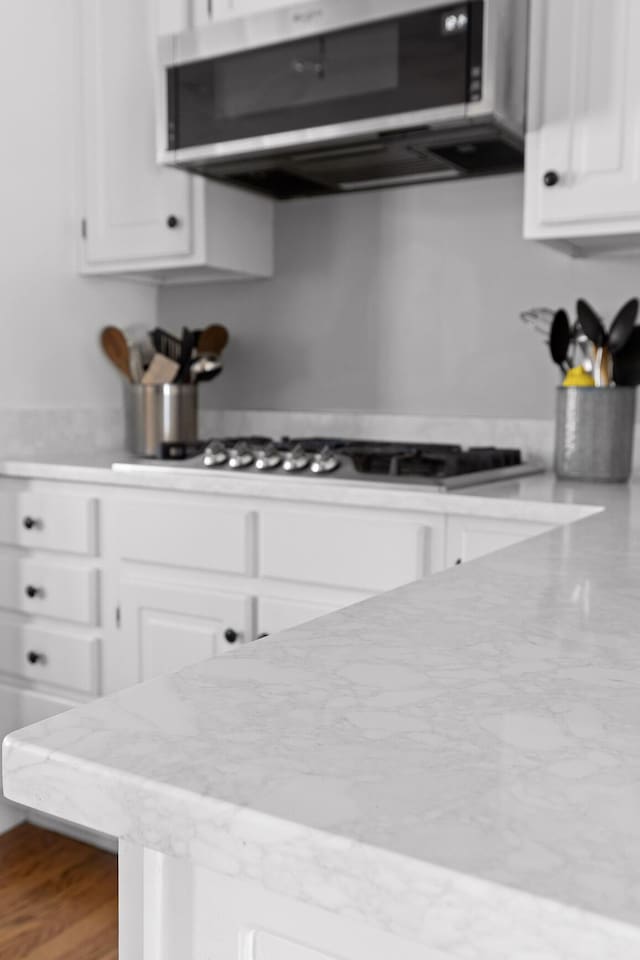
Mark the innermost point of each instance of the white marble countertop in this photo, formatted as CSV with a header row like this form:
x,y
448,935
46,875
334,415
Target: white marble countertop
x,y
457,761
545,501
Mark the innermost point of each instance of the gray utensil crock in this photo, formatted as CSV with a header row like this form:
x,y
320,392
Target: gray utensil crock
x,y
159,413
594,433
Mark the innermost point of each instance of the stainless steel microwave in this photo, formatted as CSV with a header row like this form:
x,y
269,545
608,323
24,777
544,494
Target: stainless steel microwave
x,y
337,95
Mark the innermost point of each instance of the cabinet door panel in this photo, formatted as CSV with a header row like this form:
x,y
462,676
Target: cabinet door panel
x,y
184,532
342,550
469,538
165,628
275,615
10,814
129,198
584,121
207,10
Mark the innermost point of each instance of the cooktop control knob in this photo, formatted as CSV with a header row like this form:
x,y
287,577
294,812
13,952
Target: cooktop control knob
x,y
240,457
215,455
295,459
268,458
325,462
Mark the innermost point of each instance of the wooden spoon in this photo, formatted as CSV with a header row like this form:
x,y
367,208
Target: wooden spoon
x,y
213,340
115,346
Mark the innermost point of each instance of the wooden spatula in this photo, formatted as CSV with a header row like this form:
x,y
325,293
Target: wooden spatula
x,y
213,340
114,343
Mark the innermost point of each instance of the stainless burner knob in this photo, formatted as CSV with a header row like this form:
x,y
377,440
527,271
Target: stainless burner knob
x,y
295,460
268,459
325,462
240,457
215,455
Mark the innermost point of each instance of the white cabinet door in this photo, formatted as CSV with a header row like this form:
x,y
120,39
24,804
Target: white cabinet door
x,y
471,537
349,549
275,615
583,141
172,16
208,10
10,815
164,628
129,199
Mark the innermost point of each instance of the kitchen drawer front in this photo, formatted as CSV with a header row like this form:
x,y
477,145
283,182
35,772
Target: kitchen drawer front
x,y
331,549
49,655
49,588
177,533
48,521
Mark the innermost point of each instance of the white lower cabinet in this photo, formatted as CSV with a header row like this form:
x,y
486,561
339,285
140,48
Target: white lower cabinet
x,y
275,615
10,815
172,908
469,538
151,581
352,549
164,628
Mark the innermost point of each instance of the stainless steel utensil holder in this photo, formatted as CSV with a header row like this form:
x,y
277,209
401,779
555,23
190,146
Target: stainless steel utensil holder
x,y
594,433
159,414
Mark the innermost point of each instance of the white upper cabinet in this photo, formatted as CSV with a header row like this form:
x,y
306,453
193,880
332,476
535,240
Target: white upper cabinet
x,y
206,10
583,140
138,217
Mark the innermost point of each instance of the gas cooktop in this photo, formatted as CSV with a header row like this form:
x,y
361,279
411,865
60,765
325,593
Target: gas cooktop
x,y
446,466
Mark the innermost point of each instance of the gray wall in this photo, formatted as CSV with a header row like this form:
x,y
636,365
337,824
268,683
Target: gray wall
x,y
399,301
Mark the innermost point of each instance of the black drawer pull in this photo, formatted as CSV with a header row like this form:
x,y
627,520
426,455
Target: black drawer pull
x,y
230,635
33,592
29,523
34,657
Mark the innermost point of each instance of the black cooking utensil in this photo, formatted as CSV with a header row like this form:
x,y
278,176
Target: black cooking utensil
x,y
591,324
186,350
626,362
560,338
166,343
622,325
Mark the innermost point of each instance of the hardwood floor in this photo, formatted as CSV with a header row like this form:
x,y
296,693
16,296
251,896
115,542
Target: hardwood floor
x,y
58,898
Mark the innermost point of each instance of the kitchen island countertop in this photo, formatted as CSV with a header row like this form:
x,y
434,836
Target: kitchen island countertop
x,y
456,762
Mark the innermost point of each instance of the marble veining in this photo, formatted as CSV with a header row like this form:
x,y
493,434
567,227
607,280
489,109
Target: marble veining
x,y
456,762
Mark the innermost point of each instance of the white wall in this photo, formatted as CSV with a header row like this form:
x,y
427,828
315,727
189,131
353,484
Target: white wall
x,y
400,301
49,317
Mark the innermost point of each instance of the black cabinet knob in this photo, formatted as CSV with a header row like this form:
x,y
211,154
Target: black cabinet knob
x,y
173,222
32,592
551,178
29,523
230,635
458,561
34,657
